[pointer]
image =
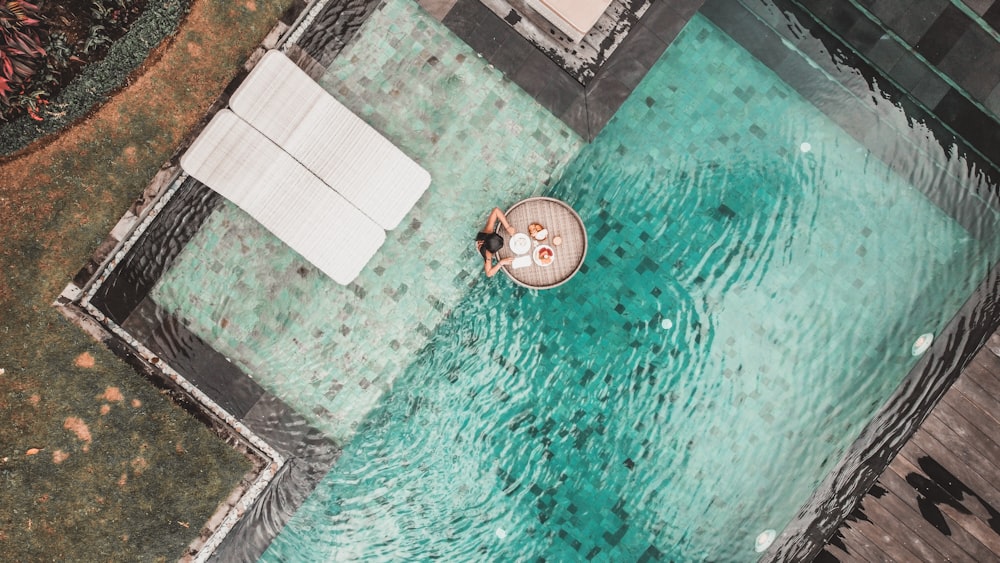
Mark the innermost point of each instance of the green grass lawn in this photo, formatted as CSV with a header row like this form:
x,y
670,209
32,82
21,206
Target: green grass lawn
x,y
96,464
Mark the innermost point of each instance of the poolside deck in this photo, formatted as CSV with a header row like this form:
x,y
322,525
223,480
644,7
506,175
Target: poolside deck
x,y
939,498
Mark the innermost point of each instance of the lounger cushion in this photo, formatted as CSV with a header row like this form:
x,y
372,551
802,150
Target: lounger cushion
x,y
240,163
290,108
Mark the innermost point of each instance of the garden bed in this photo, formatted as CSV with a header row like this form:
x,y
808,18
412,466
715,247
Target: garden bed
x,y
91,50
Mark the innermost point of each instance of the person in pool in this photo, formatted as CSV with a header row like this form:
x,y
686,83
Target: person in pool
x,y
488,242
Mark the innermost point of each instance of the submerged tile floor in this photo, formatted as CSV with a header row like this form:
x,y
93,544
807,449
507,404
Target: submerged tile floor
x,y
472,115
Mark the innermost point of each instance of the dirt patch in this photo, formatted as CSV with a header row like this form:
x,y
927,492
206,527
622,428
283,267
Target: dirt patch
x,y
59,456
139,465
113,395
130,154
84,360
78,427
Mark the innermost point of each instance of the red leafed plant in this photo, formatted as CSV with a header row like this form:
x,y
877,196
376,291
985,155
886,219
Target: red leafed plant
x,y
21,52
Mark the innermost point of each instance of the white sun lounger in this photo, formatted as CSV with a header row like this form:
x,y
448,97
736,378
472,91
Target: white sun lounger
x,y
290,108
240,163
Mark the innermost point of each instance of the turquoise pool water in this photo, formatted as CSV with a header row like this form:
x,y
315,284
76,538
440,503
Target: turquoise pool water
x,y
577,423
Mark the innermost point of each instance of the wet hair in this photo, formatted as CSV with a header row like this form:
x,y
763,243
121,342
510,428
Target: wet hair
x,y
492,242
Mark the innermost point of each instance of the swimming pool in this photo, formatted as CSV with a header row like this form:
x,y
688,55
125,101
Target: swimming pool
x,y
747,303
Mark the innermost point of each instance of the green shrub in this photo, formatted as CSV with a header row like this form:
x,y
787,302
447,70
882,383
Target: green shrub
x,y
21,52
98,80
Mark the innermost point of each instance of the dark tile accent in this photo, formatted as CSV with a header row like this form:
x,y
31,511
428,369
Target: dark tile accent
x,y
909,72
979,85
536,75
685,9
885,53
514,53
603,102
666,18
560,93
960,60
992,101
207,369
464,17
489,36
633,59
992,16
910,20
968,121
178,221
576,116
308,454
943,34
864,34
309,457
748,31
288,432
930,90
983,74
979,6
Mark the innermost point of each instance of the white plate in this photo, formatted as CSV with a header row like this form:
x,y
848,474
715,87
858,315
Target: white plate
x,y
520,243
538,249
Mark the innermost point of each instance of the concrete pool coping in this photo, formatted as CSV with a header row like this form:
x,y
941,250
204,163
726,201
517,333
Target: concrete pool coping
x,y
920,390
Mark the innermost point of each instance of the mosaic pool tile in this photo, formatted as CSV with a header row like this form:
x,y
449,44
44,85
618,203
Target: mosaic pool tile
x,y
330,351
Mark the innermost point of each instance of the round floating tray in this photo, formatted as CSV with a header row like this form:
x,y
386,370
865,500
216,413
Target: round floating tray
x,y
560,220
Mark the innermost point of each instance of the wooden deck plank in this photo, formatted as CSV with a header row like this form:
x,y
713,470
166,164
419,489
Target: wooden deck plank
x,y
984,370
962,487
973,452
911,517
862,547
892,536
985,403
833,554
894,481
971,527
981,387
